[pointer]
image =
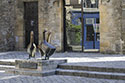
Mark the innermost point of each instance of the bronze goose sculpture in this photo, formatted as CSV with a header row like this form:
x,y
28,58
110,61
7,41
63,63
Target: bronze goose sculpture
x,y
41,47
45,47
31,49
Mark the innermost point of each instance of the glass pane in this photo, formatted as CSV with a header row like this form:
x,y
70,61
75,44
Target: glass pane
x,y
97,36
90,20
91,3
97,20
90,33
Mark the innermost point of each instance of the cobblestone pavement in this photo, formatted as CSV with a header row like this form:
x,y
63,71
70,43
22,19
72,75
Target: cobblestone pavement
x,y
74,58
53,79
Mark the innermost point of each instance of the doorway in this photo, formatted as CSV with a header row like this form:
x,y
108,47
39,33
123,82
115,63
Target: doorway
x,y
73,30
91,31
31,21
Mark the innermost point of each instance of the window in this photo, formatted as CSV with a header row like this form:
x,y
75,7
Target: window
x,y
90,33
97,21
90,20
97,36
91,3
73,2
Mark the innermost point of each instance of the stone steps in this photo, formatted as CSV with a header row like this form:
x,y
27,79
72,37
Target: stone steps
x,y
7,63
30,72
91,72
90,68
3,67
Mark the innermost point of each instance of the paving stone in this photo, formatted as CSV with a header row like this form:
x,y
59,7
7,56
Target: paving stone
x,y
73,58
62,79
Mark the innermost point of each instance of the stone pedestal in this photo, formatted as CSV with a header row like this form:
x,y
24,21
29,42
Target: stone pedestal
x,y
35,67
26,64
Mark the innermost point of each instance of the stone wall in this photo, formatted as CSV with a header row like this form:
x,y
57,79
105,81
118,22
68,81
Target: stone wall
x,y
12,29
123,26
110,23
51,18
7,25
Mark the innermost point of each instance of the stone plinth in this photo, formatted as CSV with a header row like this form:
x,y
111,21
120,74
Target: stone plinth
x,y
35,67
26,64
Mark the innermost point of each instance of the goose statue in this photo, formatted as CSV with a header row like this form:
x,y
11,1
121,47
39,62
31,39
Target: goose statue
x,y
46,49
31,49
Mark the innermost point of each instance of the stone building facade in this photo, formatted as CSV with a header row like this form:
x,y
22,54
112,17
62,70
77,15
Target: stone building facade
x,y
123,27
12,27
112,30
7,25
50,16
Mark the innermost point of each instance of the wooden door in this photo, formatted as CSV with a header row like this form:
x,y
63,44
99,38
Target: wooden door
x,y
31,21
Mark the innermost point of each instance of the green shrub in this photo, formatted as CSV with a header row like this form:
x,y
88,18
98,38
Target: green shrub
x,y
73,31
